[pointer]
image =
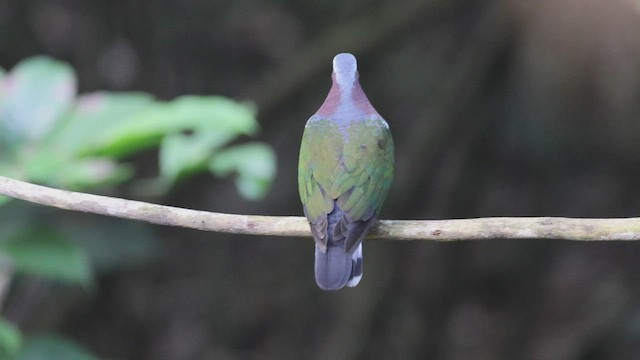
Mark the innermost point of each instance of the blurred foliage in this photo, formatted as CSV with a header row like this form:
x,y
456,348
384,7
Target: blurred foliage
x,y
51,135
46,253
254,162
48,347
40,347
10,340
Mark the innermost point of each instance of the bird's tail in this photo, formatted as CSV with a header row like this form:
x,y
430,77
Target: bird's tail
x,y
336,268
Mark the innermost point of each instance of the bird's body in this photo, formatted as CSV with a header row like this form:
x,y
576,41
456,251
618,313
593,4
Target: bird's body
x,y
345,171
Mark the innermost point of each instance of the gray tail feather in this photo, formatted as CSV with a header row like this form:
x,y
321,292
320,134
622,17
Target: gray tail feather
x,y
336,268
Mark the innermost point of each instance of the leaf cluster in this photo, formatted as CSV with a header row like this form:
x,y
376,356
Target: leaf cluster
x,y
50,134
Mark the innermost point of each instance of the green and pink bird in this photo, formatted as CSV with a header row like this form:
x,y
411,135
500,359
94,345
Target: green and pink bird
x,y
345,171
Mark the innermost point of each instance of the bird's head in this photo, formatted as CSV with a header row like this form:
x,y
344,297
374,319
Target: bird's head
x,y
345,70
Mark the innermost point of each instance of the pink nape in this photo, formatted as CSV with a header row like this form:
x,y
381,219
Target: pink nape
x,y
338,101
330,105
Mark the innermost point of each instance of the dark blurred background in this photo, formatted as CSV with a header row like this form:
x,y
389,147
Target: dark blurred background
x,y
498,108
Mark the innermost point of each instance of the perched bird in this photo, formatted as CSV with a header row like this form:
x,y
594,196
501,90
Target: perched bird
x,y
344,174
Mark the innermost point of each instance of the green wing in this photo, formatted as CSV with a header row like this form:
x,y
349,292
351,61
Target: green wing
x,y
349,165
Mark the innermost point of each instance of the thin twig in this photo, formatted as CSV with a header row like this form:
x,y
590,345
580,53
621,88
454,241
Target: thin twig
x,y
440,230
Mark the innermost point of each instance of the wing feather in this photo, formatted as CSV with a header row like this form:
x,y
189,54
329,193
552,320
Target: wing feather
x,y
355,164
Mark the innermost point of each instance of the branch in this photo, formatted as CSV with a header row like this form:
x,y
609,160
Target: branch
x,y
440,230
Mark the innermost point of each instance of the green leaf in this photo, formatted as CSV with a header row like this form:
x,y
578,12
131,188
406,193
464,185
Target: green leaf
x,y
36,93
188,113
92,115
59,161
53,347
185,154
90,173
48,254
10,340
254,163
74,174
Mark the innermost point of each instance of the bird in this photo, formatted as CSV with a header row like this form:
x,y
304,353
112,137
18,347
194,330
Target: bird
x,y
345,170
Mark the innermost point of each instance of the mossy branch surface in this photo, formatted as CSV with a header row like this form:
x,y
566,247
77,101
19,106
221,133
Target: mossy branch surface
x,y
295,226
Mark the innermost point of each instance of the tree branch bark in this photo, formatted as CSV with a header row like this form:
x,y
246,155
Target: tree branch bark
x,y
439,230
